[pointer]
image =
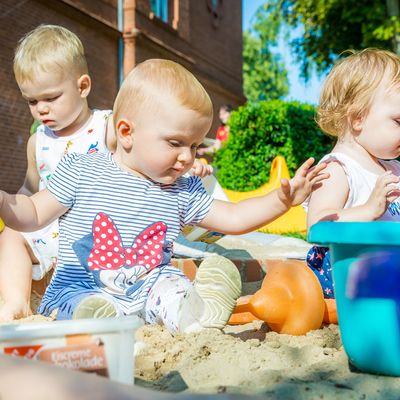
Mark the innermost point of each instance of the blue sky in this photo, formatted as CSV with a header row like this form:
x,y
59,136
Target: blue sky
x,y
298,90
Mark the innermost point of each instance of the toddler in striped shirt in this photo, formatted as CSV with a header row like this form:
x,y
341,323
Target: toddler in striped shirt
x,y
120,213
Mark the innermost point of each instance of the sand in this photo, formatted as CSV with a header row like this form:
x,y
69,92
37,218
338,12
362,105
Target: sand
x,y
250,359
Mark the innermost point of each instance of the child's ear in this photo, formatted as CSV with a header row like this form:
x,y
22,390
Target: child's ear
x,y
357,123
84,85
124,132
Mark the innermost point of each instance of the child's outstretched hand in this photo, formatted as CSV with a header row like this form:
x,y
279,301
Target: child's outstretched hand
x,y
294,191
385,191
201,169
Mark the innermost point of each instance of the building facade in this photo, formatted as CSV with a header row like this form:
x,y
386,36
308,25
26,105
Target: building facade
x,y
205,36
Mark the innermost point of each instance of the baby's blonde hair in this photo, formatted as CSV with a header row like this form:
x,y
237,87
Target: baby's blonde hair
x,y
152,78
46,48
349,89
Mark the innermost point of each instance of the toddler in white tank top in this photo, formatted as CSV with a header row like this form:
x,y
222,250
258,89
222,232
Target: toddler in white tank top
x,y
54,81
360,105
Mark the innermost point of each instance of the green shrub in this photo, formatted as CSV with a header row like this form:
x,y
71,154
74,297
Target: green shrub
x,y
296,235
261,131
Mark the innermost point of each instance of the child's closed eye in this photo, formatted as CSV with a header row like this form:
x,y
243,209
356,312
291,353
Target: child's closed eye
x,y
50,99
47,100
174,143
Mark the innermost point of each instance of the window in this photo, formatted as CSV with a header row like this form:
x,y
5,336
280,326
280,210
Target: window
x,y
214,4
160,9
215,9
166,11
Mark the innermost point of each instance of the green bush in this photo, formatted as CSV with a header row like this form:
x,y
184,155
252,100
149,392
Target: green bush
x,y
261,131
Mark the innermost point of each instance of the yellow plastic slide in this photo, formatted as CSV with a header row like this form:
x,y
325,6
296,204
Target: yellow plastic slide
x,y
294,220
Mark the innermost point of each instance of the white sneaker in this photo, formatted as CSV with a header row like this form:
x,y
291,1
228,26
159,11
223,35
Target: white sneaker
x,y
210,301
95,306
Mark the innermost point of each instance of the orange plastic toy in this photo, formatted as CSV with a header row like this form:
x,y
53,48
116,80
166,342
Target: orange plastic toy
x,y
330,313
289,301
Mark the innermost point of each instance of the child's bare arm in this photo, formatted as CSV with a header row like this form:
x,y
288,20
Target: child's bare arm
x,y
244,216
327,202
26,214
250,214
31,182
329,199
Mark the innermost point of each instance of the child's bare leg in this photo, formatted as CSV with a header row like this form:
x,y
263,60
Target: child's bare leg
x,y
15,275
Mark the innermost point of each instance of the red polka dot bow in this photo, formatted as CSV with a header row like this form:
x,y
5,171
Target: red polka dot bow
x,y
109,253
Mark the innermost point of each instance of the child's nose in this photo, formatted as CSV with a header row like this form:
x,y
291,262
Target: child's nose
x,y
185,155
42,108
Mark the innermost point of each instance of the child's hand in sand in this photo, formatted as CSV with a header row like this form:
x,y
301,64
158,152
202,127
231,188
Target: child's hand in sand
x,y
294,191
385,191
201,169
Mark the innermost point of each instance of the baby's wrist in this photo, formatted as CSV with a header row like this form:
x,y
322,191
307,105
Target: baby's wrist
x,y
372,213
285,203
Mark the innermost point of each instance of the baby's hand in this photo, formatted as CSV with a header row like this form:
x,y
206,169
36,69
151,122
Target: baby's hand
x,y
201,169
201,151
306,179
385,191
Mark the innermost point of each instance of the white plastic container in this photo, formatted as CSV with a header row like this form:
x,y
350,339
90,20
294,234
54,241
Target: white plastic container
x,y
101,346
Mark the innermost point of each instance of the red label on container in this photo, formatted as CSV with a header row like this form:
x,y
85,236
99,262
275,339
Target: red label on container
x,y
81,352
23,351
88,356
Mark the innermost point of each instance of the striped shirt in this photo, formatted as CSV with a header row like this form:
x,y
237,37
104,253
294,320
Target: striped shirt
x,y
117,236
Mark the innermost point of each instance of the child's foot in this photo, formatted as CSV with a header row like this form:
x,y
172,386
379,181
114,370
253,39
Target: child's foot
x,y
95,306
13,310
210,301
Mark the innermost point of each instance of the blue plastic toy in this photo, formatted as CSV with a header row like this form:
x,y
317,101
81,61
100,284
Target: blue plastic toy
x,y
366,272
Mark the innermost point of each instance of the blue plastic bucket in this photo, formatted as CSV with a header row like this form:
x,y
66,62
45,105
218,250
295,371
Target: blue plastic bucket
x,y
366,272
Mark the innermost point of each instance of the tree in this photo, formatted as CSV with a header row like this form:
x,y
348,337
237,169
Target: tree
x,y
264,73
333,26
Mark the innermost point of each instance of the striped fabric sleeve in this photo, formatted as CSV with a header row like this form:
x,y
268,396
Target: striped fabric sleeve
x,y
199,201
64,182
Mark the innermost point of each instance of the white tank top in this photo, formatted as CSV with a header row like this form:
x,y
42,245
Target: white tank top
x,y
362,182
50,148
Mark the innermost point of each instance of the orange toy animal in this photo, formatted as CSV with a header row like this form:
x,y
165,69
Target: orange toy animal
x,y
289,301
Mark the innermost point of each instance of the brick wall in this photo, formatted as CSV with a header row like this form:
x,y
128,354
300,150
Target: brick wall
x,y
100,39
211,50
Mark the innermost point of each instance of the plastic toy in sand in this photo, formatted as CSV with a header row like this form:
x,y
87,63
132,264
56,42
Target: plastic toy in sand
x,y
290,301
294,220
366,272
